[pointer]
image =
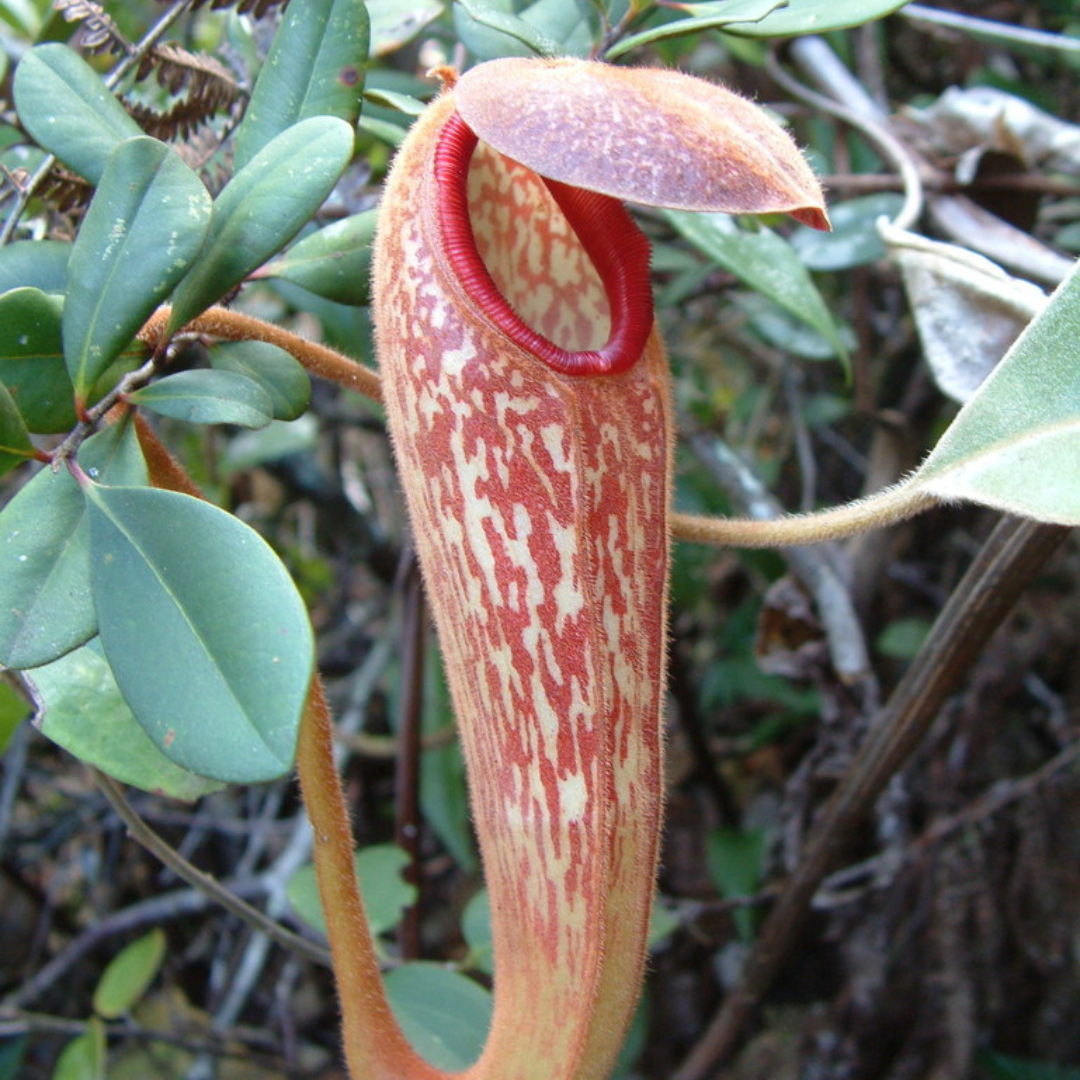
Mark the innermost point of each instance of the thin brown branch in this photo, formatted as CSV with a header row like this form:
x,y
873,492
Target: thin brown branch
x,y
1008,561
144,835
319,360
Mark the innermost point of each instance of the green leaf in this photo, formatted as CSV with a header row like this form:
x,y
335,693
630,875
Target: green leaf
x,y
391,99
498,28
386,893
144,227
315,68
208,397
15,444
444,796
902,638
765,262
1006,1067
736,862
129,974
14,709
32,360
206,634
476,930
263,207
444,1014
395,23
854,240
84,1057
804,16
38,264
66,107
1016,444
706,16
508,25
45,604
334,261
80,708
280,375
12,1056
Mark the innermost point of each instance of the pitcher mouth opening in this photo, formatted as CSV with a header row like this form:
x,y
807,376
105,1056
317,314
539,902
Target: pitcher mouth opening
x,y
617,250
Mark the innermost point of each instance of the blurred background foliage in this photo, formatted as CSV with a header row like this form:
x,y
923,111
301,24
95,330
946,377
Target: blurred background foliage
x,y
948,944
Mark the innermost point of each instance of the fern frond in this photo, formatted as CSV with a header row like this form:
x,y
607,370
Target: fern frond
x,y
98,33
204,77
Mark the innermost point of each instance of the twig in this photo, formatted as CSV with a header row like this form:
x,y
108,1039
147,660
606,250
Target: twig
x,y
230,325
867,121
1008,561
990,28
144,835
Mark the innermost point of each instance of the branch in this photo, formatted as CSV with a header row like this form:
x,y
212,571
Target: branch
x,y
1008,561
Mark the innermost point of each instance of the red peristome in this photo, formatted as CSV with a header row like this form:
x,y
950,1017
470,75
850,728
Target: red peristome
x,y
617,248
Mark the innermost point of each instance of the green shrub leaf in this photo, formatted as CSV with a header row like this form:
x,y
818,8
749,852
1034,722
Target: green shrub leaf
x,y
64,104
704,16
334,262
208,397
263,207
1016,444
204,629
80,708
386,893
45,605
15,444
286,383
804,16
763,261
444,1014
38,264
315,68
128,975
84,1057
143,228
32,360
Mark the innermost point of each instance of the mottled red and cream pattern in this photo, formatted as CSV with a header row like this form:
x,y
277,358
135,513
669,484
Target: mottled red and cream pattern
x,y
539,504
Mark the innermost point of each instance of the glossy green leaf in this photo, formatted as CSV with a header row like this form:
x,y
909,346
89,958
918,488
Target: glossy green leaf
x,y
15,444
32,360
1016,444
514,29
263,207
736,862
391,99
36,264
476,930
334,261
208,397
45,604
444,796
14,709
67,108
84,1057
280,375
803,16
495,28
854,239
206,634
386,893
444,1014
705,16
80,708
765,262
144,227
395,23
129,974
315,68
